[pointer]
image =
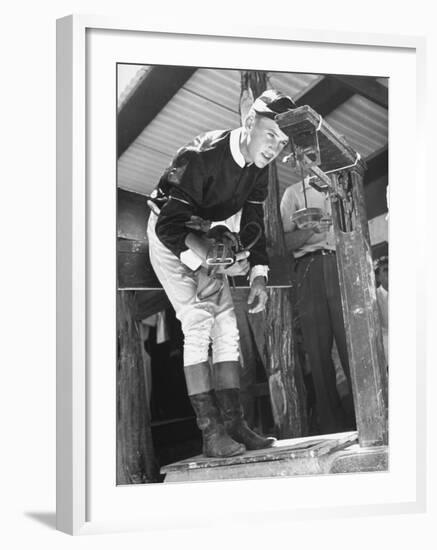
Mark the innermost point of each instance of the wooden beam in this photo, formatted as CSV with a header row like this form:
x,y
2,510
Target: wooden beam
x,y
377,165
328,94
366,86
375,183
149,302
132,215
360,312
376,197
158,87
136,462
273,329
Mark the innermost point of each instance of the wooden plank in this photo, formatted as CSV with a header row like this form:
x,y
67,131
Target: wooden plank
x,y
250,358
358,290
284,376
356,459
287,393
133,263
273,328
377,165
135,453
256,470
289,449
134,270
376,197
132,247
326,96
132,215
347,457
149,302
366,86
157,88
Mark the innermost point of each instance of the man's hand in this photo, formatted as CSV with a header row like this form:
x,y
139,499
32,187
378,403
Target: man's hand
x,y
258,289
323,225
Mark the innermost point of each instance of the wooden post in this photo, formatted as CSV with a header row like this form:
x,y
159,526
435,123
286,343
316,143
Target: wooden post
x,y
273,331
354,262
249,355
358,291
136,461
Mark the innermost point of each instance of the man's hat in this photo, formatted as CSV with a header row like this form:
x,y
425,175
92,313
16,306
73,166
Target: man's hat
x,y
272,103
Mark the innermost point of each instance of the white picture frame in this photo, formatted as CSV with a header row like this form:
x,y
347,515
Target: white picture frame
x,y
76,238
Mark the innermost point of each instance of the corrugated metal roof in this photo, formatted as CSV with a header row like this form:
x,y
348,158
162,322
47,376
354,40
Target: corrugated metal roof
x,y
363,123
293,84
210,99
128,78
221,87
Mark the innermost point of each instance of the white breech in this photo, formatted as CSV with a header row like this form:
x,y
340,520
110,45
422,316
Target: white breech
x,y
211,320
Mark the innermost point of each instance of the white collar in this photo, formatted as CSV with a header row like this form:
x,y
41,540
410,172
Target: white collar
x,y
234,143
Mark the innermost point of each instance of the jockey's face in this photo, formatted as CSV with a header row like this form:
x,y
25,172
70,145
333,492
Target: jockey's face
x,y
263,140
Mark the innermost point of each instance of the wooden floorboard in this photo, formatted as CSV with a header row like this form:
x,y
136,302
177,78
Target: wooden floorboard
x,y
287,449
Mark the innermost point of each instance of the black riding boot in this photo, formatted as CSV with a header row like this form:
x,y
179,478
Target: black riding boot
x,y
226,376
216,442
236,425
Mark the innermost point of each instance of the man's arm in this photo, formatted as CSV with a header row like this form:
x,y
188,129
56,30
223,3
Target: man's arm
x,y
253,211
184,180
296,238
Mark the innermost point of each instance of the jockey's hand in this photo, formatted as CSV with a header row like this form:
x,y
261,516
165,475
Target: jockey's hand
x,y
241,265
258,290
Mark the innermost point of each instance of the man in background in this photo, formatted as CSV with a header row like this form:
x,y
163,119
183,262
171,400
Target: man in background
x,y
318,301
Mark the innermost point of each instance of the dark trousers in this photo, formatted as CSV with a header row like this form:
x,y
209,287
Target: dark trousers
x,y
318,303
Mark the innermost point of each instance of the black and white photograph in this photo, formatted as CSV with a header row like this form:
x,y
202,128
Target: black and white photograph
x,y
201,206
252,274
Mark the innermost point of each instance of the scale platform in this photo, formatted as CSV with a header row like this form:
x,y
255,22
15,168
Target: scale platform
x,y
324,454
303,123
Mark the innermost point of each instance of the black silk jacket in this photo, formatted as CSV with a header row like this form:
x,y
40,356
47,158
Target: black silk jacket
x,y
204,180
